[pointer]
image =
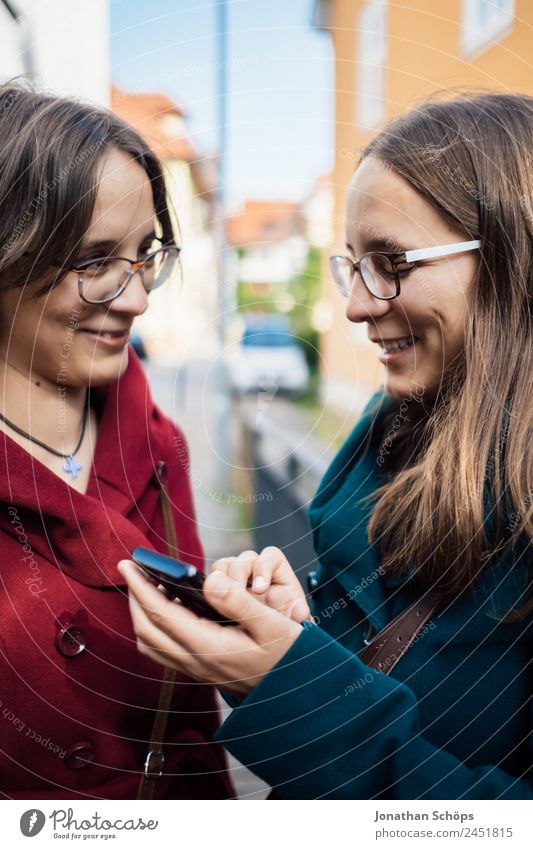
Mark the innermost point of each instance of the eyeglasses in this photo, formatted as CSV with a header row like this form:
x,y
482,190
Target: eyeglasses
x,y
103,279
381,271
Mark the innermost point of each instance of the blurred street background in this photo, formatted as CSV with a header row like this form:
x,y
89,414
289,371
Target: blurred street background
x,y
258,112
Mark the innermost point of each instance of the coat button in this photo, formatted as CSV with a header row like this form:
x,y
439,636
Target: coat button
x,y
70,641
79,755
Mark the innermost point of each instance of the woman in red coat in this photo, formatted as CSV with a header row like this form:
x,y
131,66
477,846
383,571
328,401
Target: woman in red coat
x,y
84,456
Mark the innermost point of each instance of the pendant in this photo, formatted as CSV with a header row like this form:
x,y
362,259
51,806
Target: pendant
x,y
72,468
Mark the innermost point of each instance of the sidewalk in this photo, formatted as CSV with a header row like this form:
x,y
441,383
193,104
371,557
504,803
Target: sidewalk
x,y
189,396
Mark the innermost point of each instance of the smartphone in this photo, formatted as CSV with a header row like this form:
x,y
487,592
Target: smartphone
x,y
180,580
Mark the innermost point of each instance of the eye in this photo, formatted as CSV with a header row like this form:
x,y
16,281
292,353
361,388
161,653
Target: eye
x,y
98,265
97,258
403,268
149,247
382,265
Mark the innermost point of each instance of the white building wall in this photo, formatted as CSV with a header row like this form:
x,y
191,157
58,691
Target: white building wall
x,y
63,43
10,47
181,322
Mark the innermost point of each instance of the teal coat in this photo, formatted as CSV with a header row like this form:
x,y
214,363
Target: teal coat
x,y
454,721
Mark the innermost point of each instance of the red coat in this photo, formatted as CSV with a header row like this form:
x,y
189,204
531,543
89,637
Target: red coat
x,y
76,706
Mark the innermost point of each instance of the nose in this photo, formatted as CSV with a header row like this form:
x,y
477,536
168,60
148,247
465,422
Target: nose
x,y
362,306
134,299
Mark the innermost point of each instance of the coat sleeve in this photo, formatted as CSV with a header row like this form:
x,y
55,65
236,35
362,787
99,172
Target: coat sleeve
x,y
321,724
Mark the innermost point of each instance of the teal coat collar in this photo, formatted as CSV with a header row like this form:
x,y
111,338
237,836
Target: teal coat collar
x,y
339,521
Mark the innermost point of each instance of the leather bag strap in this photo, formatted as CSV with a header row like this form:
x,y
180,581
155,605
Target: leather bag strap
x,y
390,645
155,758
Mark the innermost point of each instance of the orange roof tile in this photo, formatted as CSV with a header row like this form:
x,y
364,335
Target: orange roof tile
x,y
263,221
147,112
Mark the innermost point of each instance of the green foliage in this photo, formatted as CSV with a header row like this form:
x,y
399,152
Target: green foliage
x,y
306,289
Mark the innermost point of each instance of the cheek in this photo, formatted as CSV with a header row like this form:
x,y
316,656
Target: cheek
x,y
56,334
447,293
437,304
414,312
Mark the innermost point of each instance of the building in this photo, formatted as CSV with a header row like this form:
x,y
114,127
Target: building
x,y
389,57
268,236
63,45
182,320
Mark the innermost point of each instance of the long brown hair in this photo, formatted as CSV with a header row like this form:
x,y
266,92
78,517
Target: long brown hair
x,y
51,151
472,159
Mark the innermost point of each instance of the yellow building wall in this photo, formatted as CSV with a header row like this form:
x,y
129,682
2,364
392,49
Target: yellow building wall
x,y
423,57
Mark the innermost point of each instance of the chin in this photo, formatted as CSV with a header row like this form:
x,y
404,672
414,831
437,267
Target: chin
x,y
402,387
102,373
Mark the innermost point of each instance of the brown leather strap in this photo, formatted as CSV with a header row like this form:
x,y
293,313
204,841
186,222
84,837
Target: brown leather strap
x,y
155,759
390,645
166,509
387,647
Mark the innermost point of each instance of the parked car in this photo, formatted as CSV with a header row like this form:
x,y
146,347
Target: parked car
x,y
269,359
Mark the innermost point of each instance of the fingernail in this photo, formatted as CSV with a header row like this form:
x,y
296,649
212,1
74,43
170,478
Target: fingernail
x,y
218,582
259,584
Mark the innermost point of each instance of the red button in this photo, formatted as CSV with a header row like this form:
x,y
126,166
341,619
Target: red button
x,y
79,755
71,641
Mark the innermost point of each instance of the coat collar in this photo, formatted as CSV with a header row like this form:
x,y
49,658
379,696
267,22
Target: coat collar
x,y
85,535
340,521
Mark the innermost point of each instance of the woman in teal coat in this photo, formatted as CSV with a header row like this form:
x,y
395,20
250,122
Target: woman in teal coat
x,y
432,492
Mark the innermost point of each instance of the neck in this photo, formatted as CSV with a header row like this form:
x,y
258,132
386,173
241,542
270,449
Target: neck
x,y
50,412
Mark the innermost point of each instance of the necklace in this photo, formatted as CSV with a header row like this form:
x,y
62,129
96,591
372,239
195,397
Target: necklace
x,y
70,467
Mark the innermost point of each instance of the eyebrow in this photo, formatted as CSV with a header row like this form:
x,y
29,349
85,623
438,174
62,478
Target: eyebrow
x,y
112,243
389,245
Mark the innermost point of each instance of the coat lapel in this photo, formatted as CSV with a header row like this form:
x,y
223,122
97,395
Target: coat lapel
x,y
85,535
340,521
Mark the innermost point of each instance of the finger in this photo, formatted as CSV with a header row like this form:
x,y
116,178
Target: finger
x,y
203,639
260,621
154,643
283,577
263,572
166,642
290,602
274,559
222,565
300,611
242,567
166,617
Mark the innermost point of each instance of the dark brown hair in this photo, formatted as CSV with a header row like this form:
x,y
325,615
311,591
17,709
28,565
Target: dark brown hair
x,y
51,151
472,159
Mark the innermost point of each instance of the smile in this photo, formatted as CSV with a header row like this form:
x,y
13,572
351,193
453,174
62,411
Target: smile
x,y
395,351
394,345
109,338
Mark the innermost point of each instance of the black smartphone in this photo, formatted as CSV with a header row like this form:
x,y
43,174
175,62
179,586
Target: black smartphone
x,y
180,580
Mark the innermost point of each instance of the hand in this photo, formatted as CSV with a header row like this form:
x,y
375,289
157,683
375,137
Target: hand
x,y
270,578
234,658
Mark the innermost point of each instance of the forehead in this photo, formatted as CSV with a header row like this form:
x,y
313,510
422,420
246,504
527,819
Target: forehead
x,y
380,200
124,201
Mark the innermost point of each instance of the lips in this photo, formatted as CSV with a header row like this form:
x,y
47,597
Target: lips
x,y
109,333
111,340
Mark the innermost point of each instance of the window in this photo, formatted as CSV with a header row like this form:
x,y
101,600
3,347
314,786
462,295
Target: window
x,y
484,22
371,55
